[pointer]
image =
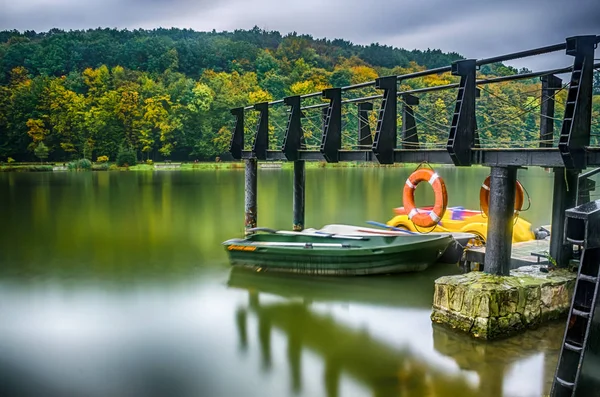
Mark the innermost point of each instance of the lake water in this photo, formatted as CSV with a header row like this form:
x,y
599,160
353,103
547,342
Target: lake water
x,y
116,284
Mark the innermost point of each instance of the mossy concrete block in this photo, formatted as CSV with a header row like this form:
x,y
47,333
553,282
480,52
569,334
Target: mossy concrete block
x,y
488,306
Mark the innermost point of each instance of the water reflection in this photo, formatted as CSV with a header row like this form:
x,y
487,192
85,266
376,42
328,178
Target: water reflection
x,y
384,352
411,290
496,361
115,284
126,224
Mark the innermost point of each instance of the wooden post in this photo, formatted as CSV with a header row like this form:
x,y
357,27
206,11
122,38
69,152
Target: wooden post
x,y
500,225
410,139
564,197
364,129
299,180
550,84
387,121
250,188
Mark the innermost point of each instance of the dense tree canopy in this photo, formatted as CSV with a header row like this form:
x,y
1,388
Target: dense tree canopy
x,y
167,93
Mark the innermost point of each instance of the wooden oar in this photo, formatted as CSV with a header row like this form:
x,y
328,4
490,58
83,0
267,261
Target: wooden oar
x,y
383,225
284,244
320,234
262,229
313,234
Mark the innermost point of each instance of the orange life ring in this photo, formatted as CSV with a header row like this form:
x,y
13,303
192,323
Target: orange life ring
x,y
425,218
484,196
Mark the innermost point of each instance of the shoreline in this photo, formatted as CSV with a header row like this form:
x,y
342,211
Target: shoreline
x,y
203,166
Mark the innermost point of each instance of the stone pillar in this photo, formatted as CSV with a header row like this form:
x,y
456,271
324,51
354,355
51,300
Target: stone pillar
x,y
250,188
500,223
564,197
299,180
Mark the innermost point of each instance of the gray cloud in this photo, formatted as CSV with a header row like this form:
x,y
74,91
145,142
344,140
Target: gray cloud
x,y
42,15
473,28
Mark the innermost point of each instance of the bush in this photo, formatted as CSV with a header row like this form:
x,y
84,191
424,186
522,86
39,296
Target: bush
x,y
82,164
149,162
126,157
102,159
10,160
100,167
40,168
113,167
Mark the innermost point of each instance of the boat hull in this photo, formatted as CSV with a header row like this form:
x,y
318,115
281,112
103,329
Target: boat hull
x,y
372,259
452,254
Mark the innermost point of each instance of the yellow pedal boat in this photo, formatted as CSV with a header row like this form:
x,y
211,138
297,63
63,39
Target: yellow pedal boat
x,y
458,219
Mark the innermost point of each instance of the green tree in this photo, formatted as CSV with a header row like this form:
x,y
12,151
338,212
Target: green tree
x,y
65,115
169,91
126,156
41,151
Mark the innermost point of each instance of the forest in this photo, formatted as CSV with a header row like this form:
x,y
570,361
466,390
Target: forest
x,y
166,93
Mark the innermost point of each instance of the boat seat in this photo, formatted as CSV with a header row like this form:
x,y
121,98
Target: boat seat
x,y
457,213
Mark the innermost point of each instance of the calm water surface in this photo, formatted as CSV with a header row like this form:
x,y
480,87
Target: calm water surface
x,y
115,284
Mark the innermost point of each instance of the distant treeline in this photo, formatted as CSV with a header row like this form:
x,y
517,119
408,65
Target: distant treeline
x,y
166,93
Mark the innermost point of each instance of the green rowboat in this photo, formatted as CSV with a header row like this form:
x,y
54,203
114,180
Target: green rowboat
x,y
322,254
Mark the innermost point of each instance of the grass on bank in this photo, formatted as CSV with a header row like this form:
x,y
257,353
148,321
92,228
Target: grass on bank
x,y
80,165
25,168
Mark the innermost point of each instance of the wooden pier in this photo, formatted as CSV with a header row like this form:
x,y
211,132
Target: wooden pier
x,y
568,158
526,253
572,154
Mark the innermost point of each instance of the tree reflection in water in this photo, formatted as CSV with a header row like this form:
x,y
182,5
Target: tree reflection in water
x,y
385,368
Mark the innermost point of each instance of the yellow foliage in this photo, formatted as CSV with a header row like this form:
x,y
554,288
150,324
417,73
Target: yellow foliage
x,y
36,131
96,79
222,139
360,74
309,86
68,147
348,63
303,87
415,67
19,76
259,95
437,79
102,159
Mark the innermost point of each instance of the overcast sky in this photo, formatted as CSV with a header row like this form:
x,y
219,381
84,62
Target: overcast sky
x,y
473,28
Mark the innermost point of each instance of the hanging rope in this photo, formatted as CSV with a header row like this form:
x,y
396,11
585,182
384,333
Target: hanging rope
x,y
528,197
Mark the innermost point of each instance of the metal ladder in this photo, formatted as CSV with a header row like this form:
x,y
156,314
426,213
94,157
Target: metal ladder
x,y
573,93
582,229
459,99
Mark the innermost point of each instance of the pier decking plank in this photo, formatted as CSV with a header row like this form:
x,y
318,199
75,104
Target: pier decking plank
x,y
523,254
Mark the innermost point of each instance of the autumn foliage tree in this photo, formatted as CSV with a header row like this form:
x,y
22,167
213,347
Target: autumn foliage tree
x,y
167,93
